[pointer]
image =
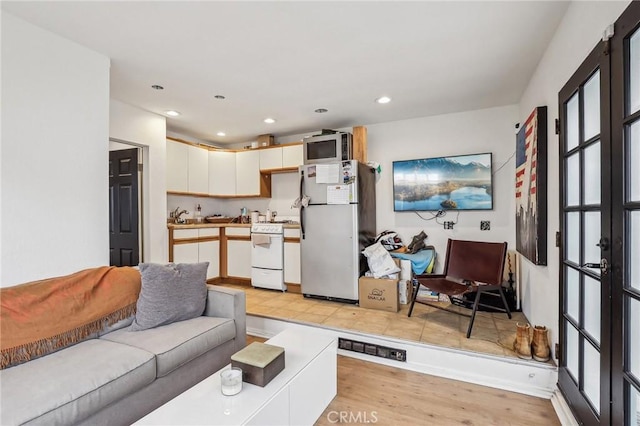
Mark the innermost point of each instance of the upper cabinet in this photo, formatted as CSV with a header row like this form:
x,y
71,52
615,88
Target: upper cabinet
x,y
248,173
281,158
222,173
187,168
198,170
202,171
292,156
177,167
271,158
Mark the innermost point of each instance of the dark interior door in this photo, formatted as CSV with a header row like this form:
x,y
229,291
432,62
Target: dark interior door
x,y
585,306
599,370
625,126
123,208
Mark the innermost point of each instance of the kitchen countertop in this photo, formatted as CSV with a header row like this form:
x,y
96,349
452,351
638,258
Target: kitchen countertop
x,y
222,225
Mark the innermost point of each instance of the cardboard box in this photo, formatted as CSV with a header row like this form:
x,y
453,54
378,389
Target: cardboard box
x,y
378,293
259,362
265,140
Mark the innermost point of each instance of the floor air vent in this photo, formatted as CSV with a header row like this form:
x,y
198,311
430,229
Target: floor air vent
x,y
372,349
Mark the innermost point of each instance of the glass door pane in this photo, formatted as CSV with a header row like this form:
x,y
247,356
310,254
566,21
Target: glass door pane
x,y
634,73
573,123
591,92
572,293
634,250
634,162
591,177
592,307
592,375
634,338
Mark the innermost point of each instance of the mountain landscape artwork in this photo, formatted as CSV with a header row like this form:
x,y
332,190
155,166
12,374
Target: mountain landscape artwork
x,y
461,182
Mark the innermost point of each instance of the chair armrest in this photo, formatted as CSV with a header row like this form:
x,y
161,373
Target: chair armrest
x,y
229,303
429,276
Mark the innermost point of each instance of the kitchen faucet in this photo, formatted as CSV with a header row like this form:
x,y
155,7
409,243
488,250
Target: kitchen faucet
x,y
177,213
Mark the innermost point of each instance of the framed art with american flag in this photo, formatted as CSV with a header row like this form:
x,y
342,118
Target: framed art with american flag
x,y
531,187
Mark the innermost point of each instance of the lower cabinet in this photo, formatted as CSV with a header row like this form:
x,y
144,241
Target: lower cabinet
x,y
196,251
239,259
238,252
292,256
203,245
292,263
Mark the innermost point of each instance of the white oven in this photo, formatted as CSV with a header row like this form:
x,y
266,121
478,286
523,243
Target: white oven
x,y
267,256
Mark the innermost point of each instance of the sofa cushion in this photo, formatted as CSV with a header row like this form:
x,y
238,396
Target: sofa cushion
x,y
69,385
170,293
178,343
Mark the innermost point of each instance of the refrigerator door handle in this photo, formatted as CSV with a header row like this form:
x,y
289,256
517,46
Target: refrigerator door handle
x,y
301,205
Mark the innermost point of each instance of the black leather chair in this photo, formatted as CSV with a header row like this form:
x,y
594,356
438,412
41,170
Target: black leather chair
x,y
469,266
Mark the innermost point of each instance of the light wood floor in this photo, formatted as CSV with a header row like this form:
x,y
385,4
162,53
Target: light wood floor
x,y
370,393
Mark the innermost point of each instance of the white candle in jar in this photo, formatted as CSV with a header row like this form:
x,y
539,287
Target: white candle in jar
x,y
231,381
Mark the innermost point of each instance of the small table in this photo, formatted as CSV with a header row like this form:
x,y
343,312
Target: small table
x,y
296,396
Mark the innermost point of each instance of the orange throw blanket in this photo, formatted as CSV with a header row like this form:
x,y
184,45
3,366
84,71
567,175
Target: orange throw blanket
x,y
43,316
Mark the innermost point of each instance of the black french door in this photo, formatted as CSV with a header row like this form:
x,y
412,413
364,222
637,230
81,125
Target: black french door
x,y
599,371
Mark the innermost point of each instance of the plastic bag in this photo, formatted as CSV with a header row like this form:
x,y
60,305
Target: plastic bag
x,y
380,261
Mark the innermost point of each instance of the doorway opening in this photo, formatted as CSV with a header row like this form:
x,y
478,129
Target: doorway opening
x,y
125,203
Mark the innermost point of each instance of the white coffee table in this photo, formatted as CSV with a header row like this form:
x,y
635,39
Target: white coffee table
x,y
296,396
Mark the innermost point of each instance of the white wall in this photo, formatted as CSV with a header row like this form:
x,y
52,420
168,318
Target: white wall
x,y
488,130
55,131
147,130
577,35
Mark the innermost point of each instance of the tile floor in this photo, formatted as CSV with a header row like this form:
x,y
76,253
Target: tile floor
x,y
493,333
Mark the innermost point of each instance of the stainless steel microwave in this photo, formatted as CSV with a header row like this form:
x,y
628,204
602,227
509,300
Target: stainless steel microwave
x,y
328,148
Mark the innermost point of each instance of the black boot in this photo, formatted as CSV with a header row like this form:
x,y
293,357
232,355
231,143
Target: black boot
x,y
416,240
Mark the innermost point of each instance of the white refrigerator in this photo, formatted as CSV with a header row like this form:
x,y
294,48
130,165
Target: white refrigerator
x,y
336,225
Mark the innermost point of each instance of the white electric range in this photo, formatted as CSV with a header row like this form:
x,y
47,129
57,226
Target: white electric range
x,y
267,256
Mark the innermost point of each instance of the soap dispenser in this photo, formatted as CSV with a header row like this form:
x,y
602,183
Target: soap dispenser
x,y
198,214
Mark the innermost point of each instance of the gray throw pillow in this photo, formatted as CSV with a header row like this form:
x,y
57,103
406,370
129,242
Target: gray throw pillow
x,y
170,293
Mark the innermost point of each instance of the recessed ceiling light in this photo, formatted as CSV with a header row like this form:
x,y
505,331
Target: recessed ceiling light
x,y
321,110
383,100
221,134
172,113
157,87
220,97
269,120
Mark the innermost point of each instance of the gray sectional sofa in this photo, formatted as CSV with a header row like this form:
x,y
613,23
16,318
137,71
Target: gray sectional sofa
x,y
118,376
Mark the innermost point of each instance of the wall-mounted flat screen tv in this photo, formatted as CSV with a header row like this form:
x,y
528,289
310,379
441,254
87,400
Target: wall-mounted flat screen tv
x,y
460,182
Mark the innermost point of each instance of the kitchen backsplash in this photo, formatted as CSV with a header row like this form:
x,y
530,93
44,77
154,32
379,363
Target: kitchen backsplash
x,y
284,191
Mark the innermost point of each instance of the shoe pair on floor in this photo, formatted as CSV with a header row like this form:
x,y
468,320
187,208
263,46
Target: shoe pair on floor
x,y
536,348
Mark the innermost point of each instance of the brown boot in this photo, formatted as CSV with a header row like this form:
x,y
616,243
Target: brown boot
x,y
540,344
522,344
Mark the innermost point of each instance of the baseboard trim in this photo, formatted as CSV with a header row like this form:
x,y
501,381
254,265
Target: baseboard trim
x,y
497,372
563,411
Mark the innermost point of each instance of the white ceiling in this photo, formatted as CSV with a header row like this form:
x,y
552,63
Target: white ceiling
x,y
285,59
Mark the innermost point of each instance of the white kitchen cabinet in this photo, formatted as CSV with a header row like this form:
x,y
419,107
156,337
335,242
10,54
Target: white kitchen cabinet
x,y
239,258
270,159
198,251
292,156
222,173
248,173
177,166
185,253
209,251
198,170
292,263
